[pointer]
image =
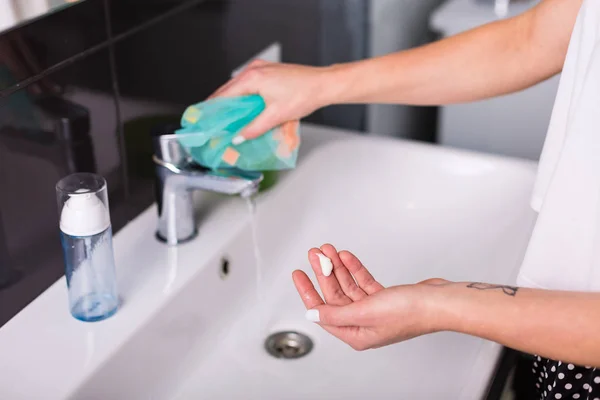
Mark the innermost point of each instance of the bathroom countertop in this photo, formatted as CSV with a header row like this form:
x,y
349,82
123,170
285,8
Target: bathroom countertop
x,y
44,342
45,345
38,270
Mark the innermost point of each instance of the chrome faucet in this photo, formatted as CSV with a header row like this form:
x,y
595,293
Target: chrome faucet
x,y
177,176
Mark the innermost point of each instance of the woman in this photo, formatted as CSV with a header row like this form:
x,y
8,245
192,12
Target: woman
x,y
556,312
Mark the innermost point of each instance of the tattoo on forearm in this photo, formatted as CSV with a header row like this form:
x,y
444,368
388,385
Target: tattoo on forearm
x,y
509,290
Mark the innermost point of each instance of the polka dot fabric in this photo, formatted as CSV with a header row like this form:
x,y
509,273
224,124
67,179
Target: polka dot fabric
x,y
557,380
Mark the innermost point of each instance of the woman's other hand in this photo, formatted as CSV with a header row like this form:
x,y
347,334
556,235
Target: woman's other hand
x,y
359,310
290,92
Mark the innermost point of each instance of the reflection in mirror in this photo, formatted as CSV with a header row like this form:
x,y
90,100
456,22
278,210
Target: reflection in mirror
x,y
15,12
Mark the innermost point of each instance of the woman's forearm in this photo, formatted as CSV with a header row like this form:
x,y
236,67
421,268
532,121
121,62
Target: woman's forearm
x,y
494,59
553,324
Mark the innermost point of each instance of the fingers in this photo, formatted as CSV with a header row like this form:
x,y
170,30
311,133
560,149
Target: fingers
x,y
235,87
343,322
349,309
311,299
320,312
246,83
337,316
265,121
363,277
345,279
309,295
332,291
240,84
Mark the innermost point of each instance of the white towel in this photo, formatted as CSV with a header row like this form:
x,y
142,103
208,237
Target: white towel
x,y
564,249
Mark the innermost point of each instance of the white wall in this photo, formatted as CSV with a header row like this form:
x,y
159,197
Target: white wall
x,y
511,125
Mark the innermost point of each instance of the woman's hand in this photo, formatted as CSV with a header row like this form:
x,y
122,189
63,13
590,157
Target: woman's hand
x,y
290,92
359,310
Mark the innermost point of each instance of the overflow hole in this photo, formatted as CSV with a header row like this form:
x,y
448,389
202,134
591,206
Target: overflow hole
x,y
224,271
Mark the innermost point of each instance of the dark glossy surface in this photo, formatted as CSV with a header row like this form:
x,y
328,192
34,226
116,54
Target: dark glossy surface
x,y
80,92
131,15
45,135
45,43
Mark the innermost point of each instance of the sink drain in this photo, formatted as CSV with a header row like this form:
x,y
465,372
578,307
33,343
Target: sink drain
x,y
288,345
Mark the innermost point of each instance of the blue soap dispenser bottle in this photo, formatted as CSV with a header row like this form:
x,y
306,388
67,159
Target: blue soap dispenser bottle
x,y
86,237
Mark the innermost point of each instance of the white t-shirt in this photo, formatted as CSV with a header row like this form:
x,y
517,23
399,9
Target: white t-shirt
x,y
564,250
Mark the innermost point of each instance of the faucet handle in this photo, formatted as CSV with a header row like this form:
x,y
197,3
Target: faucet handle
x,y
172,155
250,180
167,150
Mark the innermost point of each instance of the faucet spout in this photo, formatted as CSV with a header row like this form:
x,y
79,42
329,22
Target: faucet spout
x,y
228,181
177,177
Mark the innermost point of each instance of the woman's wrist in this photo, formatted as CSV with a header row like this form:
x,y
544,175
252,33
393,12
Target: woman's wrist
x,y
472,308
366,81
339,83
441,303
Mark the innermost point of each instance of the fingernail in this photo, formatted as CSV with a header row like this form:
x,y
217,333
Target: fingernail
x,y
236,141
312,315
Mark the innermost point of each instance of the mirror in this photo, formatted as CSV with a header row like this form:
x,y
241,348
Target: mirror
x,y
16,12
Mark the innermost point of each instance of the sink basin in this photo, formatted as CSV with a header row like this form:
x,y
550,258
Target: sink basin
x,y
194,318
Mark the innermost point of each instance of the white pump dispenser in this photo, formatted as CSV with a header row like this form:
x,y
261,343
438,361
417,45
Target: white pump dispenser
x,y
84,214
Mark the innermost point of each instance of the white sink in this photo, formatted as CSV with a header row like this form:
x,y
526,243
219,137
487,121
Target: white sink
x,y
409,211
